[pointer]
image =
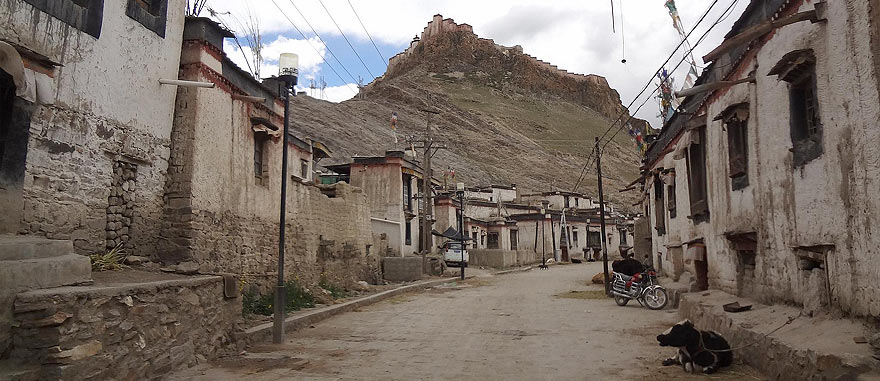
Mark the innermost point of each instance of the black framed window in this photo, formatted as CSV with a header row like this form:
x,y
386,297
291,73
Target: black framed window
x,y
408,237
84,15
514,240
798,68
492,242
696,163
623,237
671,202
151,14
659,215
574,238
304,169
736,121
259,157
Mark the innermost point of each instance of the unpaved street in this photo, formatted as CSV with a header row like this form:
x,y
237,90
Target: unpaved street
x,y
528,326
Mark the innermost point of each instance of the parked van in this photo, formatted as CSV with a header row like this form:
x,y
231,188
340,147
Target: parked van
x,y
453,254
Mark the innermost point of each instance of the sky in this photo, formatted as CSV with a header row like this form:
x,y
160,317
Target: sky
x,y
574,35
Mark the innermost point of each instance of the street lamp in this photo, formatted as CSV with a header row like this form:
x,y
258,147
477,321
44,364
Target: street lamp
x,y
459,188
544,215
288,71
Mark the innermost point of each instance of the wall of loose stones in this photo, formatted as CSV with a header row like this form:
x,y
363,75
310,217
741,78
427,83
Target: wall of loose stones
x,y
125,332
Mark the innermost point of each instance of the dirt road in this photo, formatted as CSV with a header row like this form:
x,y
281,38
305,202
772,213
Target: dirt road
x,y
535,325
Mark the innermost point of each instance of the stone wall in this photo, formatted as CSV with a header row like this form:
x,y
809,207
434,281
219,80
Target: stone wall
x,y
124,332
82,121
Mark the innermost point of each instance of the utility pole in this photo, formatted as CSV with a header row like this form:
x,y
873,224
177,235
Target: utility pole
x,y
430,148
602,219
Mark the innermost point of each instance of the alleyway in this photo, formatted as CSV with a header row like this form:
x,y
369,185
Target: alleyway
x,y
518,326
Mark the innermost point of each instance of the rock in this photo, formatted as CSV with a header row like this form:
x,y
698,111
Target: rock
x,y
134,260
127,301
188,268
362,285
875,341
76,353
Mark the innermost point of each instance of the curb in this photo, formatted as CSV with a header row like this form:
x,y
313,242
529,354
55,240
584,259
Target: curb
x,y
263,331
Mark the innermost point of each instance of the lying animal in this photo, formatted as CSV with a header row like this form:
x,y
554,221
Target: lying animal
x,y
704,350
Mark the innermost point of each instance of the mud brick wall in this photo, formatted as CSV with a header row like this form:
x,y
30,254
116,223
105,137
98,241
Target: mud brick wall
x,y
124,332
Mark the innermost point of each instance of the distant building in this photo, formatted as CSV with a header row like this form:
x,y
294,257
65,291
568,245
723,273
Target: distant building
x,y
392,186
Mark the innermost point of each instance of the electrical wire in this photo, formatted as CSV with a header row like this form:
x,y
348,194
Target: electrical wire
x,y
647,85
344,37
368,33
321,39
313,47
700,40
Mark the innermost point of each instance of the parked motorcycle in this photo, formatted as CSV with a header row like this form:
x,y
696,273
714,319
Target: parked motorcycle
x,y
642,287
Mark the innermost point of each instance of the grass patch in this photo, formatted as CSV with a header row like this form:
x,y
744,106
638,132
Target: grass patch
x,y
335,291
296,298
586,294
111,260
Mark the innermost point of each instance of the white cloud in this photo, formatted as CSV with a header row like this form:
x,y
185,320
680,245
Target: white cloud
x,y
311,53
575,35
334,94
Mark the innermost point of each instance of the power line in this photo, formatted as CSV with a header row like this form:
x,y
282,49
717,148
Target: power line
x,y
723,16
346,38
322,41
580,178
368,33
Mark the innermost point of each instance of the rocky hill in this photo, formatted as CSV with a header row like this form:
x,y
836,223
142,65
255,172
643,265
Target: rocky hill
x,y
506,117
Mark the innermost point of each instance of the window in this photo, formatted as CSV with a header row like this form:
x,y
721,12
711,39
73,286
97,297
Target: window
x,y
567,201
407,193
408,237
574,238
696,162
659,215
493,240
304,169
84,15
259,157
623,237
474,236
149,13
798,68
670,197
594,239
736,120
514,240
575,202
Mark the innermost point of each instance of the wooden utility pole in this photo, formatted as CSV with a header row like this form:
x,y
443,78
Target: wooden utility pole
x,y
602,219
430,148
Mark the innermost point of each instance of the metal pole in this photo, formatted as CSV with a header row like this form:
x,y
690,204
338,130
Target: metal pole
x,y
602,220
278,320
461,231
543,242
553,236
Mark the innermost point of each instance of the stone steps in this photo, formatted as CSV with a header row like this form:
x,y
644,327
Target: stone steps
x,y
13,247
34,262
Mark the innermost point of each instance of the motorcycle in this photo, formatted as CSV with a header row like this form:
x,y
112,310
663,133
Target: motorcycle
x,y
642,287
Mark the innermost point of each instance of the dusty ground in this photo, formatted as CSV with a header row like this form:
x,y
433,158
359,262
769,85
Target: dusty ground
x,y
527,326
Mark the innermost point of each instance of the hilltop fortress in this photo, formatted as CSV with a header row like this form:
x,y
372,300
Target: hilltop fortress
x,y
439,26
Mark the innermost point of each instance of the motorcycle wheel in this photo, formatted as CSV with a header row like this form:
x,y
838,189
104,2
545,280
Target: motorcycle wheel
x,y
656,298
621,301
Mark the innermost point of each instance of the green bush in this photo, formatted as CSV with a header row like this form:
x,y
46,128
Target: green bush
x,y
296,298
335,291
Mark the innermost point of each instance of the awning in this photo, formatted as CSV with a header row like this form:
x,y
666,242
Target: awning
x,y
451,234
